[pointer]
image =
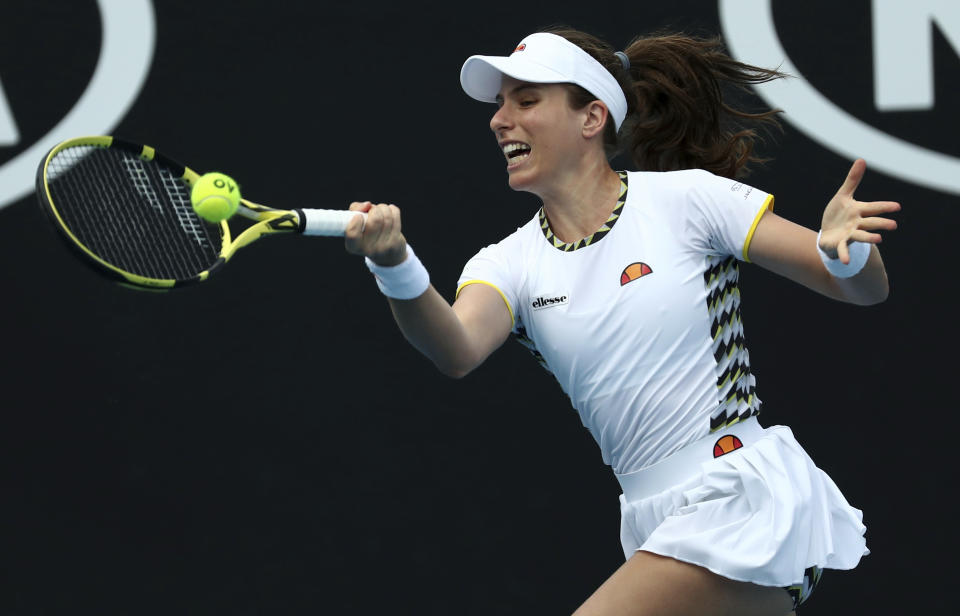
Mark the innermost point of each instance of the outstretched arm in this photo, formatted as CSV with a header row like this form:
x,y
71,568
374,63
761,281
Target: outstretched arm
x,y
790,250
456,338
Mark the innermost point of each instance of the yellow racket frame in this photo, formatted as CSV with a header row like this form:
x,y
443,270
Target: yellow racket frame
x,y
266,220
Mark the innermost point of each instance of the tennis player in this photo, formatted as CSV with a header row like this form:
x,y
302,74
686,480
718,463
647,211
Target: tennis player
x,y
624,286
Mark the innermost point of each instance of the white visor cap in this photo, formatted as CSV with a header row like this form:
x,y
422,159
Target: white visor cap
x,y
544,58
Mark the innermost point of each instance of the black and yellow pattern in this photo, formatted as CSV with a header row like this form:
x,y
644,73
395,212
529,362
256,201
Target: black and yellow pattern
x,y
802,591
521,336
736,386
597,235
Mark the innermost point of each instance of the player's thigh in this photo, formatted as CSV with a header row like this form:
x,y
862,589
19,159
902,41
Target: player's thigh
x,y
649,584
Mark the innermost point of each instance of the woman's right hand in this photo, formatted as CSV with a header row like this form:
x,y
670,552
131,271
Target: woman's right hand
x,y
376,235
457,339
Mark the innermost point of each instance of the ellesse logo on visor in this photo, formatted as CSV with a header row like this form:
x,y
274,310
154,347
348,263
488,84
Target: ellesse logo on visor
x,y
520,47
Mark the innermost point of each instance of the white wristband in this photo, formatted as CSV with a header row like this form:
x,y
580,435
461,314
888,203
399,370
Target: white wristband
x,y
859,253
407,280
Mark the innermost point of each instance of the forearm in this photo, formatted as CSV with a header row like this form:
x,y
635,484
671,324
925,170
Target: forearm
x,y
790,250
434,328
455,338
869,286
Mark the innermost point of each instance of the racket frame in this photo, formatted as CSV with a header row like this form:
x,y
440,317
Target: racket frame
x,y
266,220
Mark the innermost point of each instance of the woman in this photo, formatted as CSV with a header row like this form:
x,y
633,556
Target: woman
x,y
624,286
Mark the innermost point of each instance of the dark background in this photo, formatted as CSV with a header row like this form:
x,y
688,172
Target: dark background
x,y
267,443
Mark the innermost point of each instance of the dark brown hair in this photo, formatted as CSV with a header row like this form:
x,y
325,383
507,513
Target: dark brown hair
x,y
679,114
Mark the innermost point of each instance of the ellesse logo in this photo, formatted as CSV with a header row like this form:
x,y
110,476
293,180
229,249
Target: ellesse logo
x,y
726,444
128,33
634,271
549,302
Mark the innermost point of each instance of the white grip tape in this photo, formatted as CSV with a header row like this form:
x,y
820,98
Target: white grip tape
x,y
327,222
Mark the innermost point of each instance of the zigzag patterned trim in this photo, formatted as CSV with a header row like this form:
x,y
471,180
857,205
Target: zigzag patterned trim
x,y
522,337
801,592
598,234
736,386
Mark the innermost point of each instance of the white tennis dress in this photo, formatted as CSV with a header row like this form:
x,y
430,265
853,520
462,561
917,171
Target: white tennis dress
x,y
640,324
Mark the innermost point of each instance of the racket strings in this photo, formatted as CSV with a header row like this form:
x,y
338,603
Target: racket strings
x,y
111,232
132,213
94,232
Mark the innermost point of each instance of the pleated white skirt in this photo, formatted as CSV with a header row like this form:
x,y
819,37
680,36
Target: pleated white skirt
x,y
763,513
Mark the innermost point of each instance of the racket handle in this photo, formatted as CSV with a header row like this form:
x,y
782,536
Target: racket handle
x,y
326,222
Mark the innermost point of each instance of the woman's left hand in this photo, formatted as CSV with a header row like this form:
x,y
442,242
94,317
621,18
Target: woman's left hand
x,y
847,220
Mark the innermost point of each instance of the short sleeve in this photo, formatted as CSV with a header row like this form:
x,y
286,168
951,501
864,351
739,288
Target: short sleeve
x,y
491,267
725,213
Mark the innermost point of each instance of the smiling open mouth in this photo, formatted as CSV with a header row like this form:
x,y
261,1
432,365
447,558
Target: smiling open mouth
x,y
515,152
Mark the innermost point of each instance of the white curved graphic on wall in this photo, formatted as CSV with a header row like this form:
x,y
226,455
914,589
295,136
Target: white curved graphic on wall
x,y
9,135
751,35
126,52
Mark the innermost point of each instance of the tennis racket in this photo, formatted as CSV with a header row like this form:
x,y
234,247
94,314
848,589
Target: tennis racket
x,y
125,210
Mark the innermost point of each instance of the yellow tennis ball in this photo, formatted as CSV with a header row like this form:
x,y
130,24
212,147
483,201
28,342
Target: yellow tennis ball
x,y
215,197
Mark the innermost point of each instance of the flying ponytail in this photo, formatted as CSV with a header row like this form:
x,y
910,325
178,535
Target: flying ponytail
x,y
678,111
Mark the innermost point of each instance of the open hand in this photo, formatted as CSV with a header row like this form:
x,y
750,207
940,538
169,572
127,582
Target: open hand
x,y
847,220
